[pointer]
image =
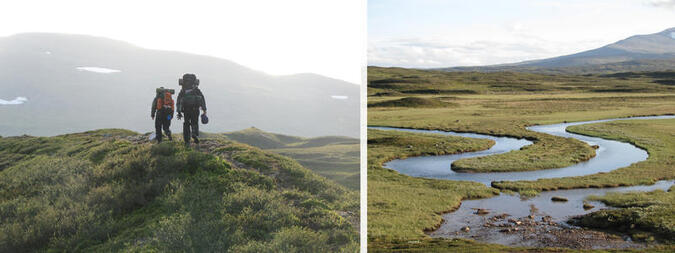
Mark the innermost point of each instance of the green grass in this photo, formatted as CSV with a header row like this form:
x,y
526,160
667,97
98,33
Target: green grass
x,y
655,136
507,112
412,102
503,104
643,215
391,81
462,245
334,157
400,206
99,192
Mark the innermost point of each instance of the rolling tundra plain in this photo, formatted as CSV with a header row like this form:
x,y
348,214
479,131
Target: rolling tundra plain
x,y
509,161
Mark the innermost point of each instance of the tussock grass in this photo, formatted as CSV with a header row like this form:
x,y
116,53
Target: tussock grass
x,y
643,215
416,102
99,192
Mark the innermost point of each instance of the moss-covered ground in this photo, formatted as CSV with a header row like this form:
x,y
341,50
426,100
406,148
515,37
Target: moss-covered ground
x,y
109,191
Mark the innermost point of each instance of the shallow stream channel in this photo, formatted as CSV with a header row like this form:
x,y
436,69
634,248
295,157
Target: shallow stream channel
x,y
536,221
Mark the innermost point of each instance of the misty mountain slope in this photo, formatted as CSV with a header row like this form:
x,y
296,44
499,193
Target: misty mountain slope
x,y
651,52
65,99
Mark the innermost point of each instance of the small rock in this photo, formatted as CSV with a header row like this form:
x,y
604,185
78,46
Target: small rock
x,y
517,222
506,230
530,217
501,216
558,199
409,146
588,206
595,146
466,229
481,211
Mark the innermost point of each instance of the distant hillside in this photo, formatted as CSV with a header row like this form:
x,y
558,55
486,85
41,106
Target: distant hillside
x,y
334,157
259,138
111,191
651,52
74,83
393,87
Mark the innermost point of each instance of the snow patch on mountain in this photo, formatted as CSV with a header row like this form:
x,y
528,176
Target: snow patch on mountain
x,y
98,70
16,101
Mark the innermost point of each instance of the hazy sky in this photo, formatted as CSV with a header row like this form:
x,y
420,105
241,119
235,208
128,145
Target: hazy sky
x,y
276,37
438,33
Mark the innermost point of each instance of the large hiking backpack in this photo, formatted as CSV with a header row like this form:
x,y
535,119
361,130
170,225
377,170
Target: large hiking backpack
x,y
191,98
164,100
188,81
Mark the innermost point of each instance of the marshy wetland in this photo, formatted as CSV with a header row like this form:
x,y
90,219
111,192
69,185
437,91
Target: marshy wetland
x,y
534,111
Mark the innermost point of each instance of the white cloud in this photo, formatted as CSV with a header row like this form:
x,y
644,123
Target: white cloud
x,y
669,4
446,52
16,101
339,97
458,33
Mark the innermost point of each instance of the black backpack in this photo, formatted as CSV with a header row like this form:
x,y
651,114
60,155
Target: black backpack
x,y
188,81
191,98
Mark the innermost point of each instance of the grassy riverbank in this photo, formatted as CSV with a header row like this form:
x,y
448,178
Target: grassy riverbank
x,y
643,215
484,108
400,206
655,136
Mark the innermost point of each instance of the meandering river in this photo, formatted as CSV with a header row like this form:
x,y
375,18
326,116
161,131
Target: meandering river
x,y
610,155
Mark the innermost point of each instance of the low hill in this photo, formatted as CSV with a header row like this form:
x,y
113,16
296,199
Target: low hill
x,y
387,83
334,157
414,102
110,190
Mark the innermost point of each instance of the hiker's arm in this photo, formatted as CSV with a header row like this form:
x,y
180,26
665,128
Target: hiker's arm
x,y
154,108
179,102
203,101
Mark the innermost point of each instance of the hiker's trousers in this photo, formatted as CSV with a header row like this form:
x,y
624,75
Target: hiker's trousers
x,y
191,125
163,122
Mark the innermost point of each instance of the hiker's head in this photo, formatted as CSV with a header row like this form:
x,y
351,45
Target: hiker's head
x,y
189,80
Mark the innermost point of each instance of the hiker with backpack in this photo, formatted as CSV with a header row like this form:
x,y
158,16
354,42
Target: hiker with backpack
x,y
190,100
162,105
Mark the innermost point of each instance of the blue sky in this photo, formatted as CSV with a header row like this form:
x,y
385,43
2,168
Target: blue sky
x,y
436,33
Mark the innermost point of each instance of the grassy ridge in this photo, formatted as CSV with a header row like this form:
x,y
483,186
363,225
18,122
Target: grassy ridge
x,y
400,206
105,191
334,157
656,136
